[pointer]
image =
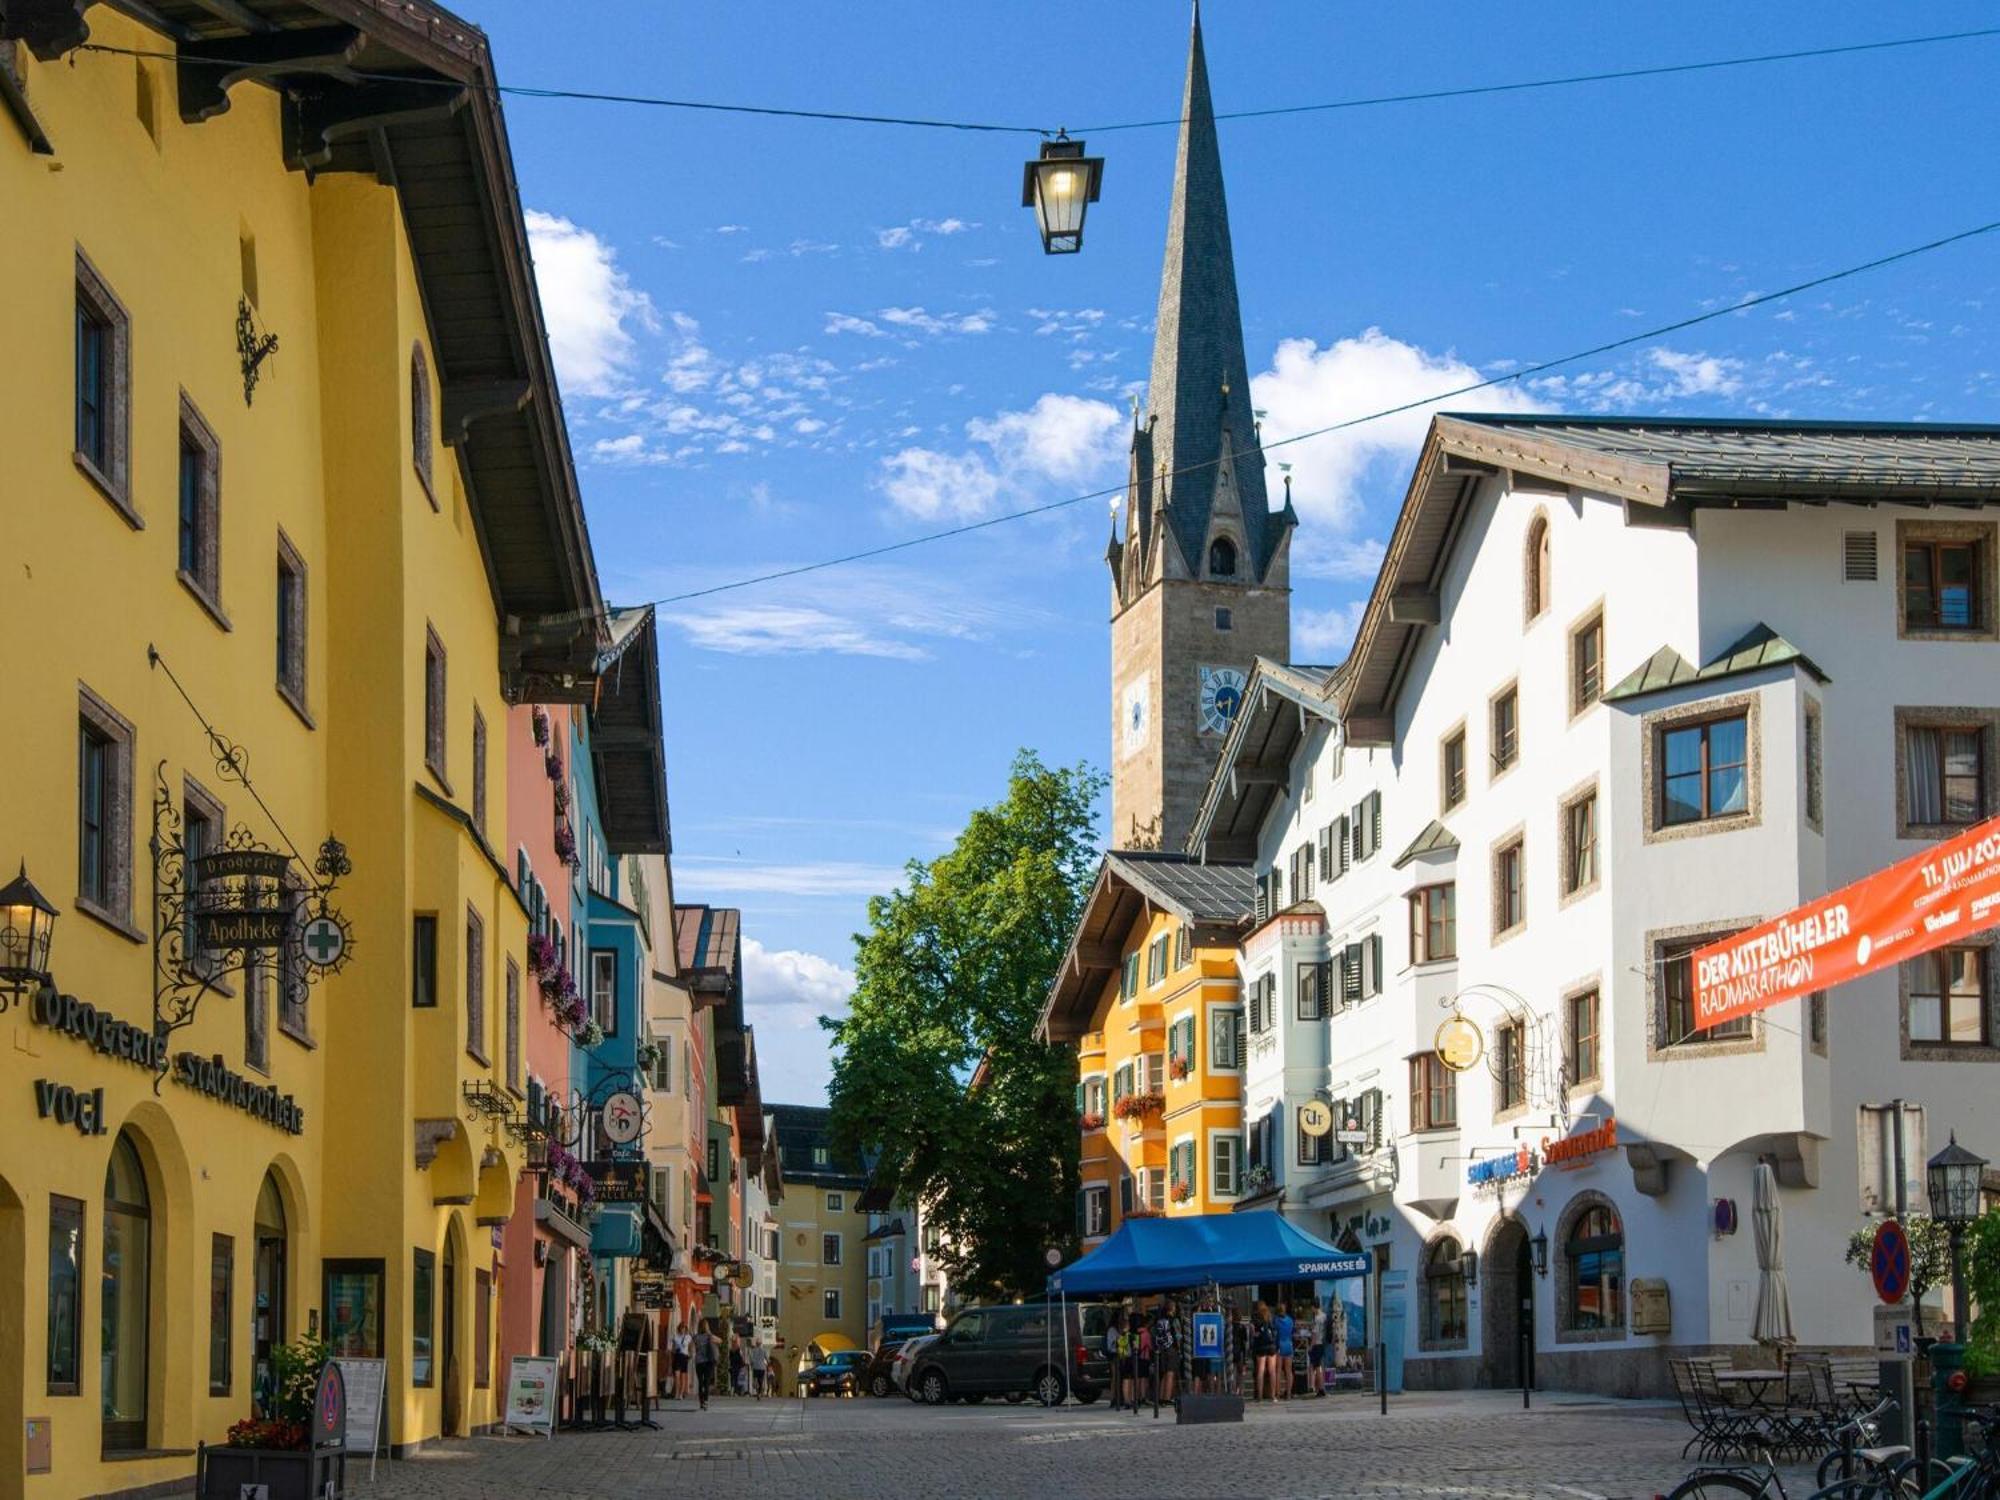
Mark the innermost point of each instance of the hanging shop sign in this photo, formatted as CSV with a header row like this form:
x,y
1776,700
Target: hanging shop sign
x,y
1572,1151
240,900
1459,1042
1494,1170
261,1101
623,1118
1315,1118
83,1108
98,1028
618,1181
1925,902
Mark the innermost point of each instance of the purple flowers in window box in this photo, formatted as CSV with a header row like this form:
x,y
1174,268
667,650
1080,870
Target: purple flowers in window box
x,y
538,719
552,763
562,796
566,845
541,955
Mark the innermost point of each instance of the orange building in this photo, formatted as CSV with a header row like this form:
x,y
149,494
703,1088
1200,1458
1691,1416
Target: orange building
x,y
1148,992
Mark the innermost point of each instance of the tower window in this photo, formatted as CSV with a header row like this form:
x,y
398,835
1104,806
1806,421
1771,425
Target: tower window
x,y
1222,558
1221,618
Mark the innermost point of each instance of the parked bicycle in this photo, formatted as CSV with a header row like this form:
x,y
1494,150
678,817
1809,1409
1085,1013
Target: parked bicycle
x,y
1857,1469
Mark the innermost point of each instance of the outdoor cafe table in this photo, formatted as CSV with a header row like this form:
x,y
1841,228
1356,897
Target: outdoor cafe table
x,y
1753,1383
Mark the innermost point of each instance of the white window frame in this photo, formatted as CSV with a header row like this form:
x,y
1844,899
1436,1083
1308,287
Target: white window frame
x,y
1096,1211
836,1203
1238,1037
604,989
1216,1177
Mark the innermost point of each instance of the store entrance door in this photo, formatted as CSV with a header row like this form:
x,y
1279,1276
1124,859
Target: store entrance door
x,y
1507,1278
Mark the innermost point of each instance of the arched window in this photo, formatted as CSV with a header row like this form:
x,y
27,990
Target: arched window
x,y
1595,1251
420,417
1444,1293
267,1326
1222,558
1536,598
127,1299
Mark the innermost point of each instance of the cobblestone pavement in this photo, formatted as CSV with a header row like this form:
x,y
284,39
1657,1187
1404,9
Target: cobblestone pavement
x,y
1476,1445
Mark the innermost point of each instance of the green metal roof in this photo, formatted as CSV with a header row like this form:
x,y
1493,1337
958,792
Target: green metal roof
x,y
1760,647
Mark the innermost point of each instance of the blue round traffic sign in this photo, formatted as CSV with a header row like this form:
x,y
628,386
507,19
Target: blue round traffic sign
x,y
1889,1265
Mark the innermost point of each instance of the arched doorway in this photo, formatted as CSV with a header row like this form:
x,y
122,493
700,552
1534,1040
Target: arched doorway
x,y
272,1284
448,1333
13,1318
126,1298
1507,1275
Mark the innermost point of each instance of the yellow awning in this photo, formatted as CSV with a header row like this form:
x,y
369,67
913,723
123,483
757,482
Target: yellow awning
x,y
830,1341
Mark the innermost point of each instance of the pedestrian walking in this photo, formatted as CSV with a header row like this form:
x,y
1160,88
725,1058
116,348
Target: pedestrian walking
x,y
683,1357
1264,1352
737,1368
1115,1354
760,1366
1285,1327
1166,1350
706,1347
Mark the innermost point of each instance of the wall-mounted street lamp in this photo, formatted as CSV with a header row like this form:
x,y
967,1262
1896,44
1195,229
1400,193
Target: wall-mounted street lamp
x,y
1540,1244
1953,1177
27,928
1060,185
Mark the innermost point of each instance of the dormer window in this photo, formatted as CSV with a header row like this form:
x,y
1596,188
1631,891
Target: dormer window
x,y
1222,558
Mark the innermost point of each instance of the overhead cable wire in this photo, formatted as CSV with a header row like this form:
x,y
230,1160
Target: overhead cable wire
x,y
919,122
1510,377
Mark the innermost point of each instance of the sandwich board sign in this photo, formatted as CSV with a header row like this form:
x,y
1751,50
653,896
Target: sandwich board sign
x,y
532,1387
363,1431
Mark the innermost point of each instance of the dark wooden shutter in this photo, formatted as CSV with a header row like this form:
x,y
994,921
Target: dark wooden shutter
x,y
1374,821
1323,971
1350,974
1374,961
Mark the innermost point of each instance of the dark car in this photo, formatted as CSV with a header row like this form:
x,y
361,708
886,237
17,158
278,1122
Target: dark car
x,y
839,1374
1011,1350
878,1376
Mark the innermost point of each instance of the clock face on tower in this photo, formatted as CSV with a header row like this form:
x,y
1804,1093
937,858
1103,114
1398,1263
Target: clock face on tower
x,y
1221,697
1134,715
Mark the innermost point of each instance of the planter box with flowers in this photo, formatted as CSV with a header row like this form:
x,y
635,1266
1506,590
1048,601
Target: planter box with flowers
x,y
1182,1192
541,955
1136,1106
590,1034
269,1455
565,842
1257,1180
1178,1068
1091,1121
538,718
553,765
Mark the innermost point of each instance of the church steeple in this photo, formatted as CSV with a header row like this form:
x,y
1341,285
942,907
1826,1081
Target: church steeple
x,y
1198,346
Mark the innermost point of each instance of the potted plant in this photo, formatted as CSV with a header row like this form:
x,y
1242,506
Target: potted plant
x,y
541,955
1177,1067
552,763
539,719
1183,1192
1258,1179
270,1454
562,796
590,1034
565,842
1091,1120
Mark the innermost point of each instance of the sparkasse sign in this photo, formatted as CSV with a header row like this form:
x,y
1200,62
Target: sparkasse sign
x,y
1924,902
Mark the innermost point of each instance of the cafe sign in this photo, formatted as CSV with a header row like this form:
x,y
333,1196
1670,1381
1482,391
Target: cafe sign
x,y
618,1181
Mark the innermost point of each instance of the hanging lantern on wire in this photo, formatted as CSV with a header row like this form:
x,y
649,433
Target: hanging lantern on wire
x,y
1060,185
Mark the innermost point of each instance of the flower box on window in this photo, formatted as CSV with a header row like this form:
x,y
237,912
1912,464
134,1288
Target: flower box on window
x,y
541,955
552,763
538,718
1258,1179
1135,1106
1178,1067
1091,1120
565,842
1182,1192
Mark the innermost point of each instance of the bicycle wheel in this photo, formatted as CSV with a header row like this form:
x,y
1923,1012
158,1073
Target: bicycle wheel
x,y
1718,1484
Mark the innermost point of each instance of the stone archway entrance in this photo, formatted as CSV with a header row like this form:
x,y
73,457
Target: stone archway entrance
x,y
1507,1285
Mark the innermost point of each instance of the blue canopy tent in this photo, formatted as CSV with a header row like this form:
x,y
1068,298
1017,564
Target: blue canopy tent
x,y
1158,1255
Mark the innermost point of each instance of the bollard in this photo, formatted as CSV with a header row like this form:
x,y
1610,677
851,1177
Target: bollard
x,y
1382,1376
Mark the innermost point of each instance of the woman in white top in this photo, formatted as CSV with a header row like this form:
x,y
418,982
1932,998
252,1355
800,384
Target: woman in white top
x,y
683,1358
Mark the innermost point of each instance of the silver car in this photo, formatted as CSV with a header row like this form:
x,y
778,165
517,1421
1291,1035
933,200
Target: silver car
x,y
906,1361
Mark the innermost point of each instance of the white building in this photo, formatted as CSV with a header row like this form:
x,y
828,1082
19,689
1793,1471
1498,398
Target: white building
x,y
763,1191
1621,688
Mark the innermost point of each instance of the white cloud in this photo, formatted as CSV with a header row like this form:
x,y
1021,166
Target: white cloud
x,y
1697,374
1061,439
911,236
1323,635
942,226
1308,387
924,322
732,229
838,322
785,992
586,302
898,238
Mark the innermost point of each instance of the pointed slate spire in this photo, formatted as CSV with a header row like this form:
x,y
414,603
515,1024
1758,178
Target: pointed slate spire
x,y
1198,344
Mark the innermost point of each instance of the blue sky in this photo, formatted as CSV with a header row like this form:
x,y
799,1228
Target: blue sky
x,y
781,340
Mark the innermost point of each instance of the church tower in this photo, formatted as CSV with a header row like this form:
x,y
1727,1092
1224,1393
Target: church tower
x,y
1200,572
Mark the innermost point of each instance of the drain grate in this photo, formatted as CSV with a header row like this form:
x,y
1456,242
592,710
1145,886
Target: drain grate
x,y
711,1455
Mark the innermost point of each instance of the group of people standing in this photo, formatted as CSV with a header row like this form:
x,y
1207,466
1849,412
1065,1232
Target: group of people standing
x,y
1152,1354
714,1346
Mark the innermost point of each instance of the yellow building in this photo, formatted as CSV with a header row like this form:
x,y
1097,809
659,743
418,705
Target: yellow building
x,y
305,615
822,1273
1148,993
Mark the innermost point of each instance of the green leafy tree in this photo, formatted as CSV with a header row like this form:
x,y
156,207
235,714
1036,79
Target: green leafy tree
x,y
938,1079
1930,1256
1982,1285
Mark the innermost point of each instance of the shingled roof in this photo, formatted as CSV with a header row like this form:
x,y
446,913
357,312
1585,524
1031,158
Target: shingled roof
x,y
1667,668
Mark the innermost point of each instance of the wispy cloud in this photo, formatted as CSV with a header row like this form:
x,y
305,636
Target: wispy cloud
x,y
911,236
824,878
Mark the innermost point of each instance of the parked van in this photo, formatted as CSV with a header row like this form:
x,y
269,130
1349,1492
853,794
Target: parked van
x,y
1011,1349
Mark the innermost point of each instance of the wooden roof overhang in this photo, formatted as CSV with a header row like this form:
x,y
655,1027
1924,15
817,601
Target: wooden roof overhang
x,y
1096,948
627,748
1255,767
405,90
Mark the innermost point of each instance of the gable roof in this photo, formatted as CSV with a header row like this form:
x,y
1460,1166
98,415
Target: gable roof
x,y
1254,768
1666,668
1435,838
1662,469
1129,883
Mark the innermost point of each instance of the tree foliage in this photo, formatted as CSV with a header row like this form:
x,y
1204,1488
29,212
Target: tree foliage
x,y
938,1079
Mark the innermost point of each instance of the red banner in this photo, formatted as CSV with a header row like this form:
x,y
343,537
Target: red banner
x,y
1927,901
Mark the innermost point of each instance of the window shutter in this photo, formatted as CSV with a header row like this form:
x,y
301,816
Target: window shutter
x,y
1374,821
1857,556
1374,962
1371,1118
1357,832
1350,973
1263,898
1079,1098
1323,979
1341,843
